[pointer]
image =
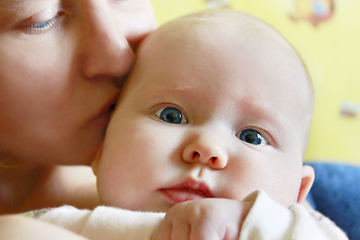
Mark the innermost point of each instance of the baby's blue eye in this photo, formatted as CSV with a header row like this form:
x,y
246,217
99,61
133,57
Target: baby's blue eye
x,y
253,137
171,115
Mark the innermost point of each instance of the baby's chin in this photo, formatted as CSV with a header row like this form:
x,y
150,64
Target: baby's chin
x,y
159,209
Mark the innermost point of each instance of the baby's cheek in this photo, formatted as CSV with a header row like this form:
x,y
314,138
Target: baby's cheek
x,y
107,185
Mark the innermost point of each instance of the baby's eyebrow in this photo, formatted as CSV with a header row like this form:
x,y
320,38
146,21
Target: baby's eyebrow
x,y
184,90
263,112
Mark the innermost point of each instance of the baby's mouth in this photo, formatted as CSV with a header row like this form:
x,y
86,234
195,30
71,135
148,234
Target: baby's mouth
x,y
189,190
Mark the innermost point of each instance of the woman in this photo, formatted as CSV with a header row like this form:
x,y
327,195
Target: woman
x,y
62,64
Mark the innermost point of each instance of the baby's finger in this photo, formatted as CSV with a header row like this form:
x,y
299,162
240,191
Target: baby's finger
x,y
163,232
203,232
180,230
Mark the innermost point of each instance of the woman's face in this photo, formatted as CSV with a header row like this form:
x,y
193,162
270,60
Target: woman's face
x,y
61,66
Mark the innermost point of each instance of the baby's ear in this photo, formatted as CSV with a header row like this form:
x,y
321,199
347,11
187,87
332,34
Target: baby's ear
x,y
95,163
307,179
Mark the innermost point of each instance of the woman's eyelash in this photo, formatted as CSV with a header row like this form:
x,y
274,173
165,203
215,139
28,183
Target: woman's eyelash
x,y
43,26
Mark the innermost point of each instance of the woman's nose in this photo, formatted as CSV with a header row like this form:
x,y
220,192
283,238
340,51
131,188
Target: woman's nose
x,y
205,151
105,48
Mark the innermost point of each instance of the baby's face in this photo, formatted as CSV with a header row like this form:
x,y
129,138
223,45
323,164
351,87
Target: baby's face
x,y
206,116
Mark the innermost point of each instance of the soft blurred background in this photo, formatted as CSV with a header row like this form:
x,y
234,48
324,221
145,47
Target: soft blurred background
x,y
326,33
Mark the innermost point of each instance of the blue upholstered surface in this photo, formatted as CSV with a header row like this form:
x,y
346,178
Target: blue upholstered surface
x,y
336,194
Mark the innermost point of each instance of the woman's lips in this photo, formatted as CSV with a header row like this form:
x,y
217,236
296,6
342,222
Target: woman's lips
x,y
189,190
103,117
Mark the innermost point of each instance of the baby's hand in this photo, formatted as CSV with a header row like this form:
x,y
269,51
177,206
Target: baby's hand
x,y
206,219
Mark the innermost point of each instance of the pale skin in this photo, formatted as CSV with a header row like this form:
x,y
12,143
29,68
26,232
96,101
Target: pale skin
x,y
62,64
61,67
217,106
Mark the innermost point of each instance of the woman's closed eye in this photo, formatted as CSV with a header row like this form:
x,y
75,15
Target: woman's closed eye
x,y
252,136
171,115
41,27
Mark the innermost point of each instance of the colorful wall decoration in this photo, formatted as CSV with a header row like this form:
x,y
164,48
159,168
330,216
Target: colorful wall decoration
x,y
313,11
326,33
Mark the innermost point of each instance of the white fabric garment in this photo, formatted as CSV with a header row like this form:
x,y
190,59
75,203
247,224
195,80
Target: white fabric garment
x,y
103,222
267,220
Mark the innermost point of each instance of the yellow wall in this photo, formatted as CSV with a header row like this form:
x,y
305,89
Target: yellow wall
x,y
331,51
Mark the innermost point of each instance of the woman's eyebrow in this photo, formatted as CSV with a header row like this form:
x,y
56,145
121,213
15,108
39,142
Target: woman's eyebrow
x,y
14,6
8,4
13,11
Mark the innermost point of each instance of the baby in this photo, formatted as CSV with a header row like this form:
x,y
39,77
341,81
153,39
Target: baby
x,y
217,110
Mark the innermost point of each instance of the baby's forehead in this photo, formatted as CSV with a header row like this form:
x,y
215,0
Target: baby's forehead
x,y
221,29
224,41
229,22
218,36
221,32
